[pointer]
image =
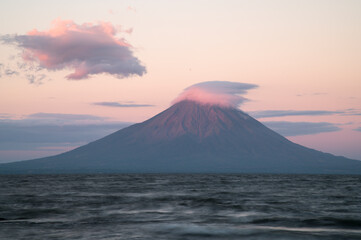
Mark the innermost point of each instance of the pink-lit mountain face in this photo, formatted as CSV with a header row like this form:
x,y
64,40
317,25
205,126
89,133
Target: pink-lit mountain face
x,y
190,137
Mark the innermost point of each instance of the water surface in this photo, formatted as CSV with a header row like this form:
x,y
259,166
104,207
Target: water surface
x,y
177,206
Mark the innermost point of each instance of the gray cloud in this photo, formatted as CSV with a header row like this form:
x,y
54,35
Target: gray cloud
x,y
16,133
52,119
353,112
301,128
88,49
63,116
50,133
7,71
284,113
62,119
6,116
10,72
124,105
34,75
358,129
35,79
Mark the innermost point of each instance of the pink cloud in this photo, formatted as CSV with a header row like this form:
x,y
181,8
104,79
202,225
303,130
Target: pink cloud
x,y
222,93
87,49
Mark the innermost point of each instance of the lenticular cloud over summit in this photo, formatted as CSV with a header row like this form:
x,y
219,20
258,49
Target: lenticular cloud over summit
x,y
221,93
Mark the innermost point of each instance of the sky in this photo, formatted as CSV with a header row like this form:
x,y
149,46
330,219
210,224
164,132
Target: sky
x,y
74,71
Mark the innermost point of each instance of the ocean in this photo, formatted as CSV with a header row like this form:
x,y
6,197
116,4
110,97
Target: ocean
x,y
180,206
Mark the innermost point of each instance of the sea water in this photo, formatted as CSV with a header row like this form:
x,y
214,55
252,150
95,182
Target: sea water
x,y
180,206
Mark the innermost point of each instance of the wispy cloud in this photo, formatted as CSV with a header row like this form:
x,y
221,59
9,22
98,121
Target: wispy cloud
x,y
35,79
64,116
301,128
221,93
121,105
312,94
6,116
23,70
87,48
10,72
62,119
353,112
286,113
358,129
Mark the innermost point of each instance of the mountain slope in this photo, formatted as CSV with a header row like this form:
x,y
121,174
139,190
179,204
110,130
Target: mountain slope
x,y
191,137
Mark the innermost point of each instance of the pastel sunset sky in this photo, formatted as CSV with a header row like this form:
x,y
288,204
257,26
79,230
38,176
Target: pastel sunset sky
x,y
74,71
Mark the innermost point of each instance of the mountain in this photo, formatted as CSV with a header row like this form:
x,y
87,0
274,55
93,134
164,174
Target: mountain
x,y
190,137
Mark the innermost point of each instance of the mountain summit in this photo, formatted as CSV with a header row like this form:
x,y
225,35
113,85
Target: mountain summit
x,y
191,137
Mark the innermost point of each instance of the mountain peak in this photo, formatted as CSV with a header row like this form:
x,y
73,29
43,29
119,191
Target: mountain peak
x,y
189,117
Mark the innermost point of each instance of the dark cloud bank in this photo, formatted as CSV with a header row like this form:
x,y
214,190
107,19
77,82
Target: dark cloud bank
x,y
51,133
